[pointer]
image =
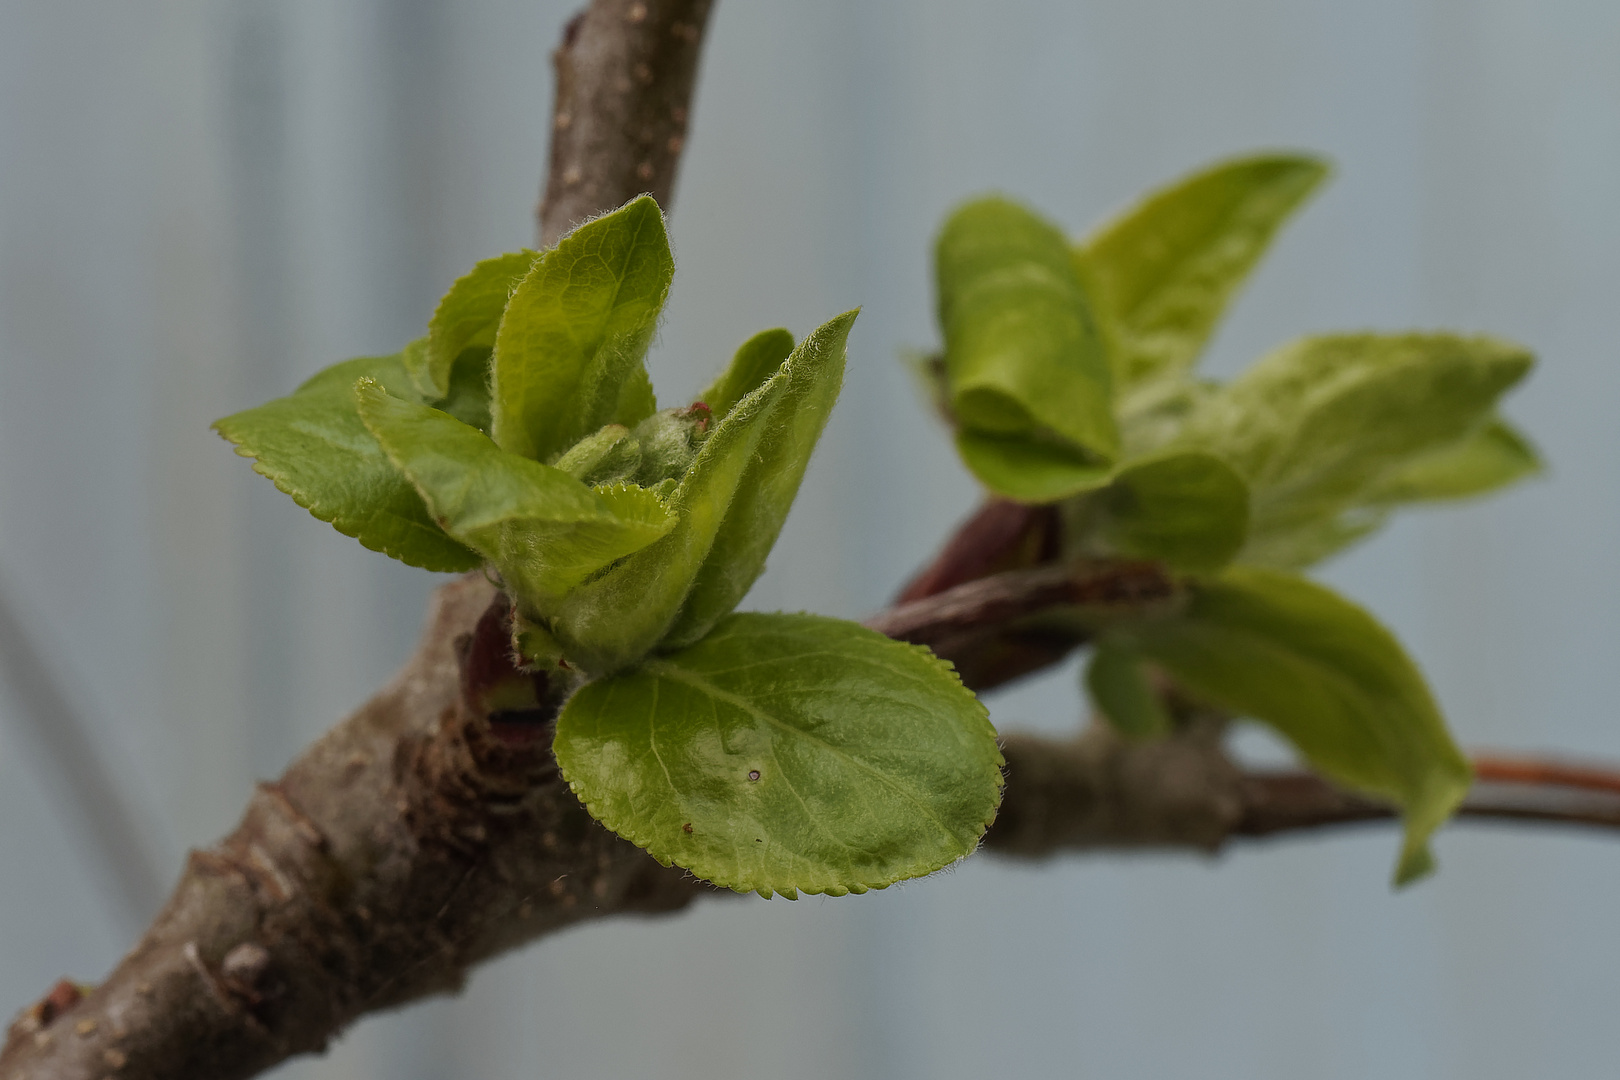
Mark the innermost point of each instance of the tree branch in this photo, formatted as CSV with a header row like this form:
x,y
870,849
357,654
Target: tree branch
x,y
421,836
625,74
418,839
1002,627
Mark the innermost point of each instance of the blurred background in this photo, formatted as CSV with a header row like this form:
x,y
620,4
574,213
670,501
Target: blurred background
x,y
202,202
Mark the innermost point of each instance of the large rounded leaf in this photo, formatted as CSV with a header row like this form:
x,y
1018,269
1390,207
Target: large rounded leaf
x,y
787,753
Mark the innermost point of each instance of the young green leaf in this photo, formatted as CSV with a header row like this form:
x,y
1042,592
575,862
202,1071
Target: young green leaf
x,y
1029,470
1316,425
1325,674
612,450
467,316
730,505
468,398
569,350
313,445
1485,460
787,753
757,360
1310,543
1152,417
1492,457
1022,358
668,442
542,529
1185,508
1121,691
1164,271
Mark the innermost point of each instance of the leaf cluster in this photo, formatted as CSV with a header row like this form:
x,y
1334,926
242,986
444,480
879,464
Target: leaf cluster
x,y
1068,374
777,753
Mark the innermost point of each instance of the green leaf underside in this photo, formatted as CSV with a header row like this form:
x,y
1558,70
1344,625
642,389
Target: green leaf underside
x,y
1326,675
730,507
315,448
542,529
1316,426
1022,356
1152,417
611,448
873,762
569,350
1121,691
1491,458
1188,509
1029,470
756,360
468,316
468,397
636,399
1163,272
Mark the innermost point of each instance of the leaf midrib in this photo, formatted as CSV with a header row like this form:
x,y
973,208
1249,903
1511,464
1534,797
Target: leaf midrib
x,y
663,669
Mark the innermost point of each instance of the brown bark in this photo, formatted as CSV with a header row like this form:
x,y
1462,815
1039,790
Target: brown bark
x,y
405,846
417,839
625,75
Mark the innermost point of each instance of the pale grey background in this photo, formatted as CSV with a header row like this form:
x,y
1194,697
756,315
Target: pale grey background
x,y
204,201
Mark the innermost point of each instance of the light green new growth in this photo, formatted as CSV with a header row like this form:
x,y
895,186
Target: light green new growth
x,y
1162,273
757,360
522,435
468,317
1122,693
788,753
1189,509
541,529
1303,454
729,509
313,444
1317,426
569,349
1027,377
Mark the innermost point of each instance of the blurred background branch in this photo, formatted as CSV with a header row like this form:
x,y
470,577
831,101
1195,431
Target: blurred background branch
x,y
86,790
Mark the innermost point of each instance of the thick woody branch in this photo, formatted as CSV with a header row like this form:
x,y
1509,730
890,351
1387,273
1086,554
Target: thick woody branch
x,y
418,838
411,842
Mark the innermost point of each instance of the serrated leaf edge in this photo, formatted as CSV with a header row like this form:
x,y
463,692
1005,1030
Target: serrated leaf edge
x,y
791,890
330,518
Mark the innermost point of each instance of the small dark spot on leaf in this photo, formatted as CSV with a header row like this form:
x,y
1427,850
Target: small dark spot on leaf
x,y
753,774
687,827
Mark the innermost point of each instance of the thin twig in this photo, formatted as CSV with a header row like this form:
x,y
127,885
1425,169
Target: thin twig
x,y
1293,801
1505,769
999,628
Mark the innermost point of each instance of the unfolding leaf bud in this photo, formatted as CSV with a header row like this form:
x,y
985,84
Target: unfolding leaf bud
x,y
669,442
